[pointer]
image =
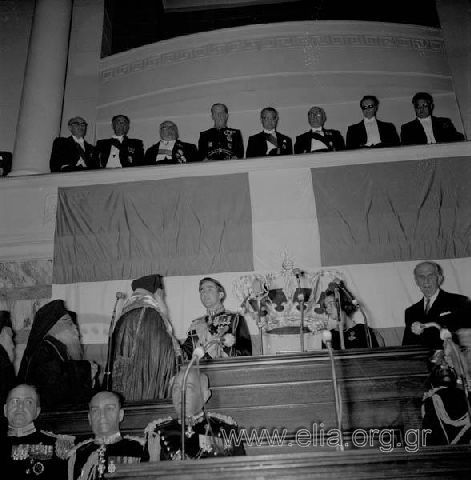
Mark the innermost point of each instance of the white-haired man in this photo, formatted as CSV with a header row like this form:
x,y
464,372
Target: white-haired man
x,y
207,434
444,309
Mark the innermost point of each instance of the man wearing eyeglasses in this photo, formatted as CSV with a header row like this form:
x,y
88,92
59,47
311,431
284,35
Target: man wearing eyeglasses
x,y
73,153
426,128
371,132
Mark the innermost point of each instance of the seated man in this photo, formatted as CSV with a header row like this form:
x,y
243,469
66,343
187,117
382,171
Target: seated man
x,y
269,142
7,356
318,139
371,132
119,150
71,154
29,452
220,142
207,434
445,406
221,333
5,163
437,309
170,149
144,348
53,359
426,128
97,456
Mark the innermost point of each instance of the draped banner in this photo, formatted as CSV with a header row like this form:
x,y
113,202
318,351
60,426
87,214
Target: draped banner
x,y
182,226
372,222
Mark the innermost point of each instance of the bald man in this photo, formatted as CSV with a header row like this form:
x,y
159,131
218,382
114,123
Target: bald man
x,y
318,138
170,149
207,435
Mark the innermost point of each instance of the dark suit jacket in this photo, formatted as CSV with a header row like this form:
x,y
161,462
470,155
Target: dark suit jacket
x,y
332,138
5,162
131,152
66,153
180,150
449,310
257,146
221,144
412,133
357,137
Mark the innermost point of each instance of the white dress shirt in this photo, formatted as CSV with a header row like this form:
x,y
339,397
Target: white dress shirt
x,y
427,126
372,132
113,159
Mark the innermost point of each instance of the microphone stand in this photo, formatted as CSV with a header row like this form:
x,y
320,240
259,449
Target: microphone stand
x,y
301,309
327,337
369,341
340,318
198,353
260,326
107,374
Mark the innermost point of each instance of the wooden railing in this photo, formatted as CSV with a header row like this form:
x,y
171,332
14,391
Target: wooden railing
x,y
427,463
380,388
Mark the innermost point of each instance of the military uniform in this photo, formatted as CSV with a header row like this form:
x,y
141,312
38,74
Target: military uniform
x,y
37,454
206,435
221,144
91,460
209,328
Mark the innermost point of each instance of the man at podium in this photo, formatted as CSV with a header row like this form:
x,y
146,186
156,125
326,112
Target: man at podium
x,y
220,332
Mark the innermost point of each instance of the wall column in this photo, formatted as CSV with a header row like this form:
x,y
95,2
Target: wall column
x,y
43,89
455,20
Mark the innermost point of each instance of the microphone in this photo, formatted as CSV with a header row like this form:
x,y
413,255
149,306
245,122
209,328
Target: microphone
x,y
327,337
198,353
120,295
340,286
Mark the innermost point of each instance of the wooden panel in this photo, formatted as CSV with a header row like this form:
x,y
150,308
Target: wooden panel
x,y
430,463
380,388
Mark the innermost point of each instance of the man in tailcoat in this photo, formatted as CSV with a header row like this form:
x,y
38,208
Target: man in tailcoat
x,y
269,142
371,132
318,138
74,153
170,149
426,128
119,150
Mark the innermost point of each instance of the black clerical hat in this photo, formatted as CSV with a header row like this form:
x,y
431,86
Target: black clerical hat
x,y
149,282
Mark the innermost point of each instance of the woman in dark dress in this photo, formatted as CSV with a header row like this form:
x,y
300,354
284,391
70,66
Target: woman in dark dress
x,y
333,302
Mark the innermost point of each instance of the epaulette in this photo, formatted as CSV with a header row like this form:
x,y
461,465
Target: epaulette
x,y
224,418
141,440
73,450
64,443
155,423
